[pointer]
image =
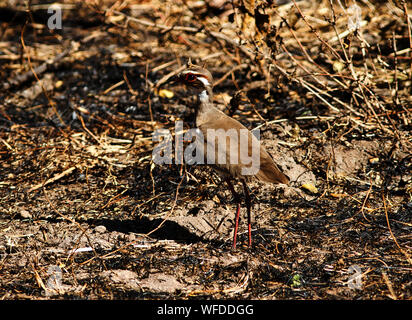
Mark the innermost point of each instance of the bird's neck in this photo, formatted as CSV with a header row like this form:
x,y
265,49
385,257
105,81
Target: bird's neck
x,y
205,98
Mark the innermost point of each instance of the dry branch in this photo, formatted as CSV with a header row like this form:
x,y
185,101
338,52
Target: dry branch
x,y
21,78
51,180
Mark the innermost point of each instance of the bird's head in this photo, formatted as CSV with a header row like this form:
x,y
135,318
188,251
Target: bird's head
x,y
196,78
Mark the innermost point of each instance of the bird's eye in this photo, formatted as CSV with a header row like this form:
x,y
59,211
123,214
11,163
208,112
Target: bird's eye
x,y
190,77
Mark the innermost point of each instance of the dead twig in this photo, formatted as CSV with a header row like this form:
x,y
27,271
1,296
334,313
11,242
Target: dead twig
x,y
35,72
53,179
214,34
408,258
171,210
51,103
408,23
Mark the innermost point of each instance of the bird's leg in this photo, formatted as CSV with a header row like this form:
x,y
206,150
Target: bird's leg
x,y
237,199
248,207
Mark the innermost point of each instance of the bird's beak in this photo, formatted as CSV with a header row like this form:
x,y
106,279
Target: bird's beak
x,y
167,81
174,79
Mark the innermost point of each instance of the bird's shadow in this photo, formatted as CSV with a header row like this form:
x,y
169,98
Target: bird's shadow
x,y
168,230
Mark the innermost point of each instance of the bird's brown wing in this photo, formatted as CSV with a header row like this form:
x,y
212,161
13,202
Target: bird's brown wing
x,y
231,147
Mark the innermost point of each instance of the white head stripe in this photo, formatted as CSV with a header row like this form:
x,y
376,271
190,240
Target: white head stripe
x,y
204,81
190,71
201,76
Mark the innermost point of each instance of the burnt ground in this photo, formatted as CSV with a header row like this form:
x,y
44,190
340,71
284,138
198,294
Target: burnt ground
x,y
86,214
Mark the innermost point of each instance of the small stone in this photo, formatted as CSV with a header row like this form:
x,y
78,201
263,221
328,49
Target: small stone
x,y
100,229
166,94
25,214
309,187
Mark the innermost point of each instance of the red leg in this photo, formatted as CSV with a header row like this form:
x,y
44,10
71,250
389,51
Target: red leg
x,y
248,206
236,226
237,199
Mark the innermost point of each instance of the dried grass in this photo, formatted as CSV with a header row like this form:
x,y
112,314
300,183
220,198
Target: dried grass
x,y
81,156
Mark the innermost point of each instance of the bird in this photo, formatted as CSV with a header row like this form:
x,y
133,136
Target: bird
x,y
208,118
